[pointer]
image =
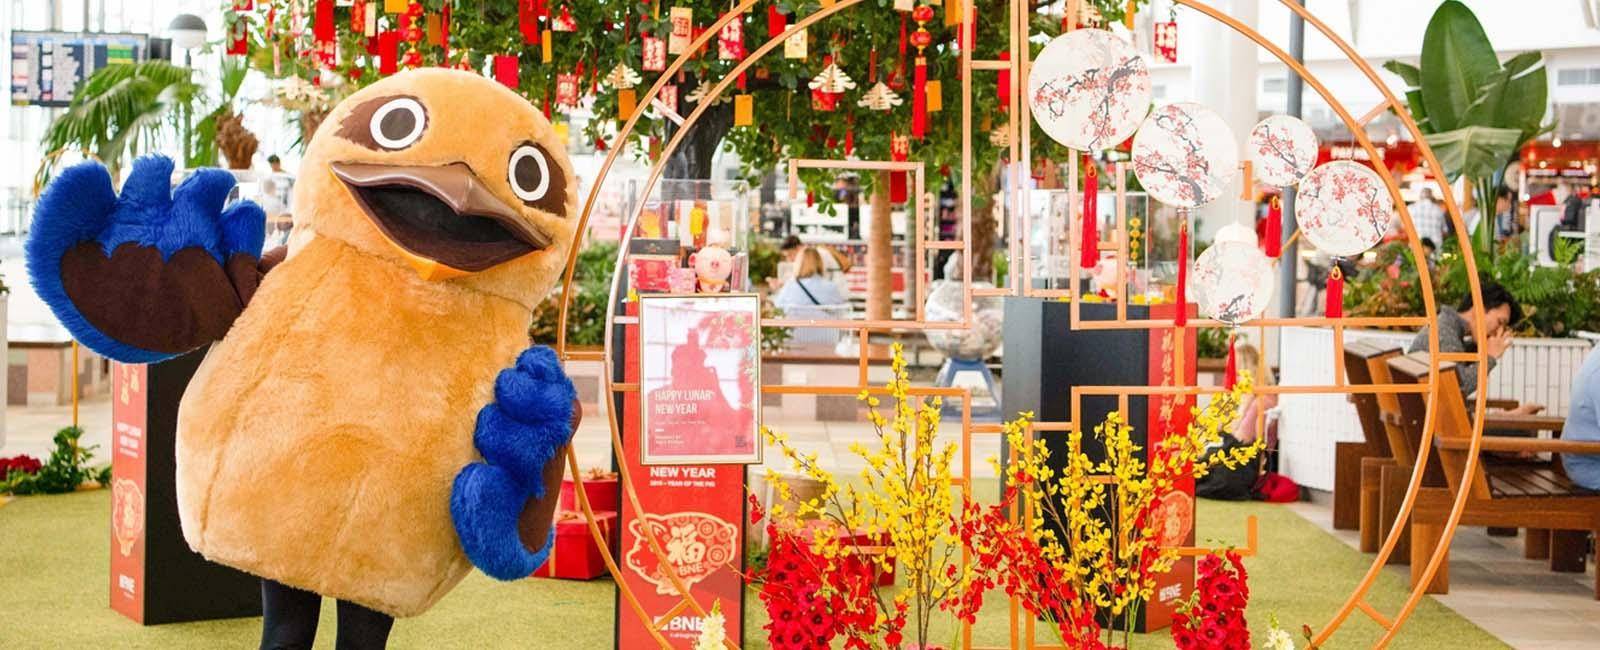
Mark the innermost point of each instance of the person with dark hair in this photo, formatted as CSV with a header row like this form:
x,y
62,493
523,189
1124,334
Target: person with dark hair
x,y
1505,213
275,163
1500,312
791,248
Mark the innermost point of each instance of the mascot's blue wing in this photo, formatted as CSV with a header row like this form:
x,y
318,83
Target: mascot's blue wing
x,y
149,274
531,419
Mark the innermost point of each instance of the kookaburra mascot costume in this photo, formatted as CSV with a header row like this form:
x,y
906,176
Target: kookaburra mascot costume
x,y
370,421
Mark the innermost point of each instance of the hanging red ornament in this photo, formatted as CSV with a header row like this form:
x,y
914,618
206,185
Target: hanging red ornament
x,y
1089,246
1272,233
1335,306
528,21
919,79
505,70
1181,292
849,138
811,198
444,33
899,151
322,26
1003,83
776,21
388,52
1230,372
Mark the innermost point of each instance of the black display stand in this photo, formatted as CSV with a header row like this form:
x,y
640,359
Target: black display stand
x,y
1045,359
161,580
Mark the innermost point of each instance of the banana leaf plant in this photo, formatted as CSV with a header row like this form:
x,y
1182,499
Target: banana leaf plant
x,y
1474,110
120,111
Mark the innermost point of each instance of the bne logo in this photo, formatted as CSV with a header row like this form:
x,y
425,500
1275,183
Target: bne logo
x,y
684,624
125,582
1170,592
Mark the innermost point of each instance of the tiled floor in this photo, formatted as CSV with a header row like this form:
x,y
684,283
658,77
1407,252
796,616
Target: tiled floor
x,y
1520,601
1517,600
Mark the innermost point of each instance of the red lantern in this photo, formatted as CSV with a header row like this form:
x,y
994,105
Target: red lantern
x,y
922,14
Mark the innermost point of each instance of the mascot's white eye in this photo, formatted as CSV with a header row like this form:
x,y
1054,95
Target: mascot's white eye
x,y
398,123
529,172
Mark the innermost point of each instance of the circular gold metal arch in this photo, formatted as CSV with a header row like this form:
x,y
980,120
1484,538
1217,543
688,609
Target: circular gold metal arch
x,y
1356,599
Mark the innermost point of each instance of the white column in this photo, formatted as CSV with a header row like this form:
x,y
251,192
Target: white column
x,y
1225,79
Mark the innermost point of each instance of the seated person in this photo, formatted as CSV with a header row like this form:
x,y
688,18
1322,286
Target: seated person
x,y
809,287
1455,335
1583,423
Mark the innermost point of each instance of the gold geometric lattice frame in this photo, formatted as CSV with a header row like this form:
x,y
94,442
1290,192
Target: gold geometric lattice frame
x,y
1019,131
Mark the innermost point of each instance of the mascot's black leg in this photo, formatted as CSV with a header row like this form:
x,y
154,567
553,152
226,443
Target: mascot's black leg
x,y
289,617
361,628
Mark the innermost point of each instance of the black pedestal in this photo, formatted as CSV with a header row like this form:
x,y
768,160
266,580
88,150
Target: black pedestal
x,y
155,578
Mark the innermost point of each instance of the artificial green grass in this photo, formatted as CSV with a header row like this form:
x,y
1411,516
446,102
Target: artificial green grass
x,y
54,558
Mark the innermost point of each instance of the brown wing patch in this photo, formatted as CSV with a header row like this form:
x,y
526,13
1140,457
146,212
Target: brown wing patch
x,y
169,307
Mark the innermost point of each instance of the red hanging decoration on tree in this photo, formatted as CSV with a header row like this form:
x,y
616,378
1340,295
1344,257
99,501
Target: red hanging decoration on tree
x,y
444,34
1003,84
322,28
1335,306
1230,372
1272,233
919,79
1089,247
776,21
528,21
899,151
388,52
505,70
1181,292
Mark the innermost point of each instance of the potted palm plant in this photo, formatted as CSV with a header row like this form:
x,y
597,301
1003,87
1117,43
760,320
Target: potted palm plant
x,y
120,111
1475,111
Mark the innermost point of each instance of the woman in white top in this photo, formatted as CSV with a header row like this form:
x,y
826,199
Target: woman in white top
x,y
809,287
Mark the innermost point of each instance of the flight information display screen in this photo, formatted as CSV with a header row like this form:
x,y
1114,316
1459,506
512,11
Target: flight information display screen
x,y
48,67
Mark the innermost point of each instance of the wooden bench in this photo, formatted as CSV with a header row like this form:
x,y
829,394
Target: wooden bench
x,y
1502,492
1350,491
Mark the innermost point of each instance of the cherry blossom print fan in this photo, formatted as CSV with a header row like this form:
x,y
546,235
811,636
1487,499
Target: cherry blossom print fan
x,y
1232,282
1089,89
1343,208
1185,155
1282,150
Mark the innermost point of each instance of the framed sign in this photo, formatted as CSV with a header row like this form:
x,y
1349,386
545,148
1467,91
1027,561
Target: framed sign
x,y
700,379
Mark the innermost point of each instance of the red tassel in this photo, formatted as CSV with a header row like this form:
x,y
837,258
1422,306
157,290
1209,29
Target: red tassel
x,y
323,30
1181,293
741,82
811,199
919,99
1272,240
849,140
505,70
1335,306
1003,85
1089,246
388,52
776,21
899,79
1230,372
897,187
444,33
872,66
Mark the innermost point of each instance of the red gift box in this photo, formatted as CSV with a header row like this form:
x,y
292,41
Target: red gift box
x,y
870,545
600,489
575,556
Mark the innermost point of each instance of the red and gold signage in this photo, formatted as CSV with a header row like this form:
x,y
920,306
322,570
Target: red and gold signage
x,y
128,460
1166,41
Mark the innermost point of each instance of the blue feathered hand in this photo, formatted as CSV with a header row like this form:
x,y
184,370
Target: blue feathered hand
x,y
150,274
504,507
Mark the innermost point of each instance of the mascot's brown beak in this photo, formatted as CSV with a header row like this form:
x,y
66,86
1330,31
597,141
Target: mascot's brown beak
x,y
444,219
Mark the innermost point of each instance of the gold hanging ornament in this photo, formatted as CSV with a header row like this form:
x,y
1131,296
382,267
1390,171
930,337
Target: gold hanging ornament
x,y
832,80
699,94
880,97
624,78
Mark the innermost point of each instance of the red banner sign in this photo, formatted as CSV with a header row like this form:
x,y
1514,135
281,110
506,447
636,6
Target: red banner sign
x,y
128,418
695,515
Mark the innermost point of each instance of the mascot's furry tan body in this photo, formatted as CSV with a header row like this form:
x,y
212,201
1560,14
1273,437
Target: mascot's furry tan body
x,y
339,408
325,442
